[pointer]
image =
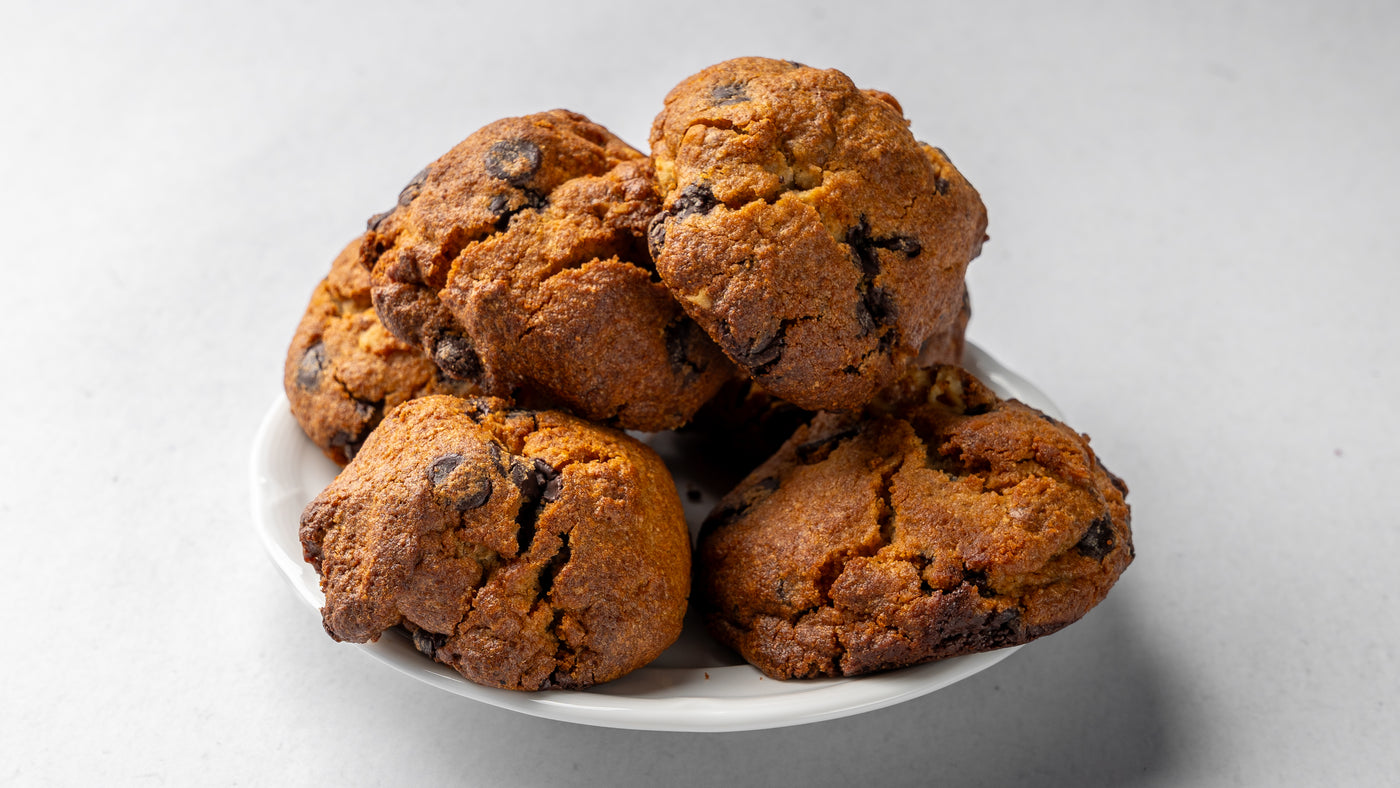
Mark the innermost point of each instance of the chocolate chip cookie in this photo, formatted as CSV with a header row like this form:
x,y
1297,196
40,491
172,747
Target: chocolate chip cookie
x,y
806,230
343,369
519,260
526,549
940,521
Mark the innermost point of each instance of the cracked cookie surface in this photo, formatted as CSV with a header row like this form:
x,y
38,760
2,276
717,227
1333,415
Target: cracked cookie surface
x,y
806,229
525,549
519,260
344,370
941,521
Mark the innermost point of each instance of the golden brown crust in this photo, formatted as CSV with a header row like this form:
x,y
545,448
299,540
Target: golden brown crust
x,y
946,346
941,521
519,260
525,549
806,229
749,424
344,370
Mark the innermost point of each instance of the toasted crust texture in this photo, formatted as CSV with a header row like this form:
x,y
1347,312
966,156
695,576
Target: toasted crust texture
x,y
526,549
807,230
518,260
941,521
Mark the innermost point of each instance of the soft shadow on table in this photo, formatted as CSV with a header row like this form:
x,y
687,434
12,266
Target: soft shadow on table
x,y
1090,705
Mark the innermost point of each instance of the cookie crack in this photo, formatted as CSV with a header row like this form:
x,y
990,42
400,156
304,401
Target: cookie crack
x,y
490,562
716,123
816,450
835,564
885,515
565,656
539,484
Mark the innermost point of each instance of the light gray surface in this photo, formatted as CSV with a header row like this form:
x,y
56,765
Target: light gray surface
x,y
1194,252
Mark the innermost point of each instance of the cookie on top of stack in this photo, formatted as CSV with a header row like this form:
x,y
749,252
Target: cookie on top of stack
x,y
789,261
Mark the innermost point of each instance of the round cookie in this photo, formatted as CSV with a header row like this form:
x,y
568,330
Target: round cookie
x,y
525,549
941,521
806,229
344,370
519,260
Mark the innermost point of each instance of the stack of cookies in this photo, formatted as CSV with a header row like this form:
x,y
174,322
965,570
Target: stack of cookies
x,y
789,260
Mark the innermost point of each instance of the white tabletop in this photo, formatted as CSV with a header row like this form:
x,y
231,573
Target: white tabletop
x,y
1194,252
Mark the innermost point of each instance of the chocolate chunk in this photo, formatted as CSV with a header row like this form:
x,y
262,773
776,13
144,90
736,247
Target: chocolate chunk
x,y
532,477
428,642
544,474
500,208
760,355
656,235
477,409
539,484
454,354
478,492
782,591
513,161
342,439
507,206
374,221
888,339
863,245
469,488
523,477
978,578
681,338
875,308
414,187
443,467
1098,541
729,93
902,243
697,198
552,488
347,442
858,238
310,366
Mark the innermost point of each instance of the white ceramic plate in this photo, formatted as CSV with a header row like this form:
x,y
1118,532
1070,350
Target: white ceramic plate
x,y
696,685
